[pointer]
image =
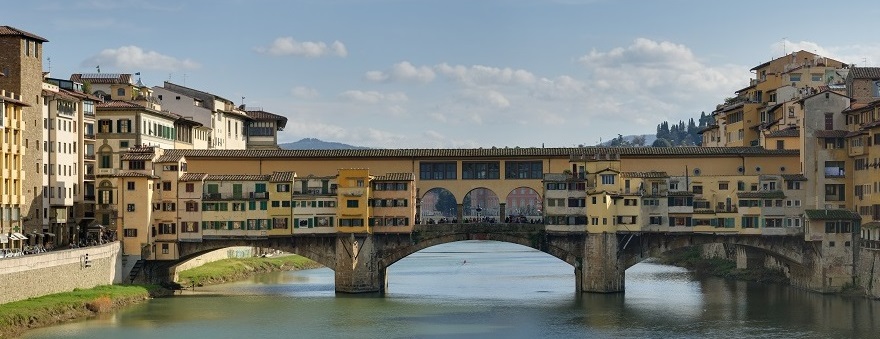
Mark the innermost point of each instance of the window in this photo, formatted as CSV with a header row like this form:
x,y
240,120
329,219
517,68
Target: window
x,y
169,206
480,170
838,226
351,203
607,179
167,228
834,169
105,126
829,121
166,185
123,126
190,187
130,185
523,170
105,161
351,222
722,186
136,164
437,171
794,77
697,189
282,187
130,232
120,93
130,208
279,223
750,222
192,206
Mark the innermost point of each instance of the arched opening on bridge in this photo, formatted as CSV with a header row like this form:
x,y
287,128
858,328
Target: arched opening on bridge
x,y
481,205
523,205
438,205
481,269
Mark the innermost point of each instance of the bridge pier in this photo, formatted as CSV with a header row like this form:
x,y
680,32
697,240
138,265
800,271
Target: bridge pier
x,y
747,257
357,267
600,271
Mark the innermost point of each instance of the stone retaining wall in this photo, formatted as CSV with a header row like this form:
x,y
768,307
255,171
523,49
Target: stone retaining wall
x,y
868,272
59,271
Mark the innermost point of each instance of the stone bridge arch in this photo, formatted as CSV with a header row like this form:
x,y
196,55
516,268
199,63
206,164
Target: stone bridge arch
x,y
787,249
567,248
319,249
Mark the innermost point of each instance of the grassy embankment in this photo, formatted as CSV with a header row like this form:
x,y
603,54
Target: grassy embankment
x,y
19,316
239,268
692,259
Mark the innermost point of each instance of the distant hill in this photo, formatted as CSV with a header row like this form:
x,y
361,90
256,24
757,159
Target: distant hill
x,y
628,139
312,143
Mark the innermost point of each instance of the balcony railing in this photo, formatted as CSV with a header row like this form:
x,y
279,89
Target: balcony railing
x,y
89,177
89,197
235,196
89,157
89,136
871,244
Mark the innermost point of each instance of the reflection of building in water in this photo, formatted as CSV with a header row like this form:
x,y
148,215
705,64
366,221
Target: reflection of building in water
x,y
523,201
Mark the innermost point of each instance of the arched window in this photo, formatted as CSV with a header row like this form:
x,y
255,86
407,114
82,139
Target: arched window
x,y
120,92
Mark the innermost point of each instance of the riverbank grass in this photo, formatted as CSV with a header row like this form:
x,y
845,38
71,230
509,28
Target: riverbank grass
x,y
18,316
239,268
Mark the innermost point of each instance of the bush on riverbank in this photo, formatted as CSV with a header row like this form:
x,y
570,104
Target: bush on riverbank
x,y
18,316
239,268
692,259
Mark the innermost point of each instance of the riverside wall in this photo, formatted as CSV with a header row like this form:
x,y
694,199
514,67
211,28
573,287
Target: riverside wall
x,y
59,271
868,272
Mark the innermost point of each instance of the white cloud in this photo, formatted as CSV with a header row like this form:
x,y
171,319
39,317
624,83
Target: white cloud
x,y
133,58
287,46
859,54
373,97
303,92
404,72
485,75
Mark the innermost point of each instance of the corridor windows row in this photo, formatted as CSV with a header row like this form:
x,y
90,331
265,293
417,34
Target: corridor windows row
x,y
480,170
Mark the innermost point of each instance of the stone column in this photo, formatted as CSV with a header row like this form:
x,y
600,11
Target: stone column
x,y
502,211
357,265
459,212
601,271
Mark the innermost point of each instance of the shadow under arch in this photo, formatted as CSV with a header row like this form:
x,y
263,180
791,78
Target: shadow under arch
x,y
312,248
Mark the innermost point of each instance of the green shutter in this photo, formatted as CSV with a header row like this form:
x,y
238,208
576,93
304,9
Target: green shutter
x,y
312,222
252,205
295,222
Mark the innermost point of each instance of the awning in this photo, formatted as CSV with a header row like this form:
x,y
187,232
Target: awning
x,y
18,236
49,234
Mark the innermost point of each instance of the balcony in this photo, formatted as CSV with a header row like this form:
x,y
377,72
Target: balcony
x,y
89,177
89,157
89,137
259,195
235,196
89,197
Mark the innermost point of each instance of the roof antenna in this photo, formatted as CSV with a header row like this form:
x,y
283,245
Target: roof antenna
x,y
99,68
49,64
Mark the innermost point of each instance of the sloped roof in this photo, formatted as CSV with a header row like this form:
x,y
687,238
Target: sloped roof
x,y
695,151
262,115
137,156
395,177
9,30
169,158
102,78
829,214
192,177
650,174
237,177
282,176
794,177
865,72
788,132
134,174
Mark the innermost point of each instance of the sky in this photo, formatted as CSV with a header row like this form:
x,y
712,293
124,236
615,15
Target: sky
x,y
451,73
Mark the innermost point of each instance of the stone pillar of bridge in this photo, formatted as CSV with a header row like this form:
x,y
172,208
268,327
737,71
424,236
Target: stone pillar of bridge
x,y
502,211
747,257
459,212
600,270
357,265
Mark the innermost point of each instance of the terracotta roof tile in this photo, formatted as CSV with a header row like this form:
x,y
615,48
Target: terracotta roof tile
x,y
192,177
794,177
789,132
651,174
169,158
395,177
832,215
9,30
137,156
282,176
484,152
134,174
237,177
865,72
102,78
679,193
266,116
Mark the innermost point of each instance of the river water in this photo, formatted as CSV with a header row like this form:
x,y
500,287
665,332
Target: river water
x,y
490,290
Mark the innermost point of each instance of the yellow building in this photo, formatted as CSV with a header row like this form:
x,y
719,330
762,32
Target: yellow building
x,y
12,150
393,203
353,193
280,207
